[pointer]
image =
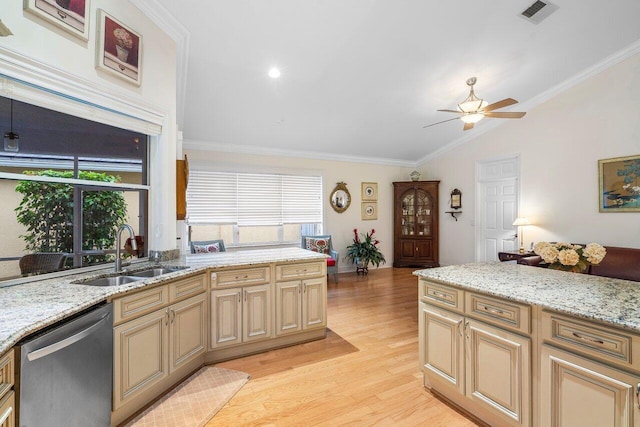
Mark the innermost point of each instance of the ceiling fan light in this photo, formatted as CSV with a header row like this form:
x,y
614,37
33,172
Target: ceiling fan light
x,y
472,118
472,105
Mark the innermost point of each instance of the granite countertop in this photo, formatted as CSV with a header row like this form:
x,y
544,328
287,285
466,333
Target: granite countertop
x,y
29,307
612,301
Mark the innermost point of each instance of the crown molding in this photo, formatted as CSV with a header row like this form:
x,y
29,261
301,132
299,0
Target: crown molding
x,y
262,151
30,80
587,73
181,35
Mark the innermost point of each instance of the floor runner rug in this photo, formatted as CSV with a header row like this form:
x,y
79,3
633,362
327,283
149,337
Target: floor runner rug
x,y
195,401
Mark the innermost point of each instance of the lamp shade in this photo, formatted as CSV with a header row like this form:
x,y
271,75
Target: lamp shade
x,y
521,221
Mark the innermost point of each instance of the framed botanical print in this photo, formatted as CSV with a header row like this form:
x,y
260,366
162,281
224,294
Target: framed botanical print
x,y
69,15
119,49
369,191
619,184
369,210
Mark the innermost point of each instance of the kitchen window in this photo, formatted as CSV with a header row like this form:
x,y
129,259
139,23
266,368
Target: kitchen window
x,y
66,184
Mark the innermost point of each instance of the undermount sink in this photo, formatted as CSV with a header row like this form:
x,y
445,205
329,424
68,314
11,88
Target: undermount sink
x,y
129,277
158,271
111,281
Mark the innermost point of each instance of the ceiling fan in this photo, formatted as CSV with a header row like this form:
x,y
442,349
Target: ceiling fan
x,y
474,109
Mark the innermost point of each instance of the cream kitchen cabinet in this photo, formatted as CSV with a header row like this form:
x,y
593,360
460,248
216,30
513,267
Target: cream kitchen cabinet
x,y
141,347
300,305
261,307
7,395
480,365
590,373
576,391
160,335
240,315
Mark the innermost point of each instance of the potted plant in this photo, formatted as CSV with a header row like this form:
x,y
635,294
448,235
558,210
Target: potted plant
x,y
364,250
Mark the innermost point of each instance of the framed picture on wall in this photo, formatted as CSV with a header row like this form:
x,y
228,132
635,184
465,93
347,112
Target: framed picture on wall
x,y
119,49
69,15
369,210
369,191
619,184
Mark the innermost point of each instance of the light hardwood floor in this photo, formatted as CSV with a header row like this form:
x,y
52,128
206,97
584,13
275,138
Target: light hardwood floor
x,y
366,371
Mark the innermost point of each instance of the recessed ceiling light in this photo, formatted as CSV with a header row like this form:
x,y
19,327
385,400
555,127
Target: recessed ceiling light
x,y
274,73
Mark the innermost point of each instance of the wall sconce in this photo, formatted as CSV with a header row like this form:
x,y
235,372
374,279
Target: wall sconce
x,y
11,138
520,222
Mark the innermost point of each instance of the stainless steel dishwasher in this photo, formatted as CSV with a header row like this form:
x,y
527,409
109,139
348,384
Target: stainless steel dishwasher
x,y
66,373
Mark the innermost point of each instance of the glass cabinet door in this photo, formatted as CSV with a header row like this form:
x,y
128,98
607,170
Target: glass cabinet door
x,y
417,214
408,214
423,208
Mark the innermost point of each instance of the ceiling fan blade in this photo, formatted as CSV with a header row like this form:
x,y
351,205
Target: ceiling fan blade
x,y
437,123
451,111
467,126
506,115
500,104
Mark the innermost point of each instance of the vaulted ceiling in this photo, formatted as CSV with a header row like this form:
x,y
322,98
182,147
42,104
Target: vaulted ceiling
x,y
360,78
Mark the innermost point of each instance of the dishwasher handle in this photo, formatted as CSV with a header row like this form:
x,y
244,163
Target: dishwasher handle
x,y
45,351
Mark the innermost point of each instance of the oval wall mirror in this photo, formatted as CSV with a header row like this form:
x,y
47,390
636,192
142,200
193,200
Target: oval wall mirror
x,y
340,198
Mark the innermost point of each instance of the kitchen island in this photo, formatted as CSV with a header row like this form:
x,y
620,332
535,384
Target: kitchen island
x,y
29,307
516,345
211,307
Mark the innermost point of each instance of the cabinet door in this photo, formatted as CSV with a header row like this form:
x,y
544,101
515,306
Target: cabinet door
x,y
187,328
8,410
141,355
256,313
498,371
288,307
226,317
579,392
442,346
424,250
314,308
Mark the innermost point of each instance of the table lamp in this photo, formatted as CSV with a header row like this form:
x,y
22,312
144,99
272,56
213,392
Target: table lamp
x,y
520,222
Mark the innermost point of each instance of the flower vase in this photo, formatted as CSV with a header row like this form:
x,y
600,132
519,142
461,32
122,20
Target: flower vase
x,y
362,267
123,54
578,268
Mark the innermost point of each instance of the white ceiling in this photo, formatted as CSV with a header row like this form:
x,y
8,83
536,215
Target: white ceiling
x,y
360,78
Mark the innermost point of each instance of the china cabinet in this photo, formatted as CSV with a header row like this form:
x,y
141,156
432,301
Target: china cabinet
x,y
415,224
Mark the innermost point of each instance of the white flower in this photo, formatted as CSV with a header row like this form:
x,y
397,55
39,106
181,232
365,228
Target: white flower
x,y
549,254
594,253
568,257
540,246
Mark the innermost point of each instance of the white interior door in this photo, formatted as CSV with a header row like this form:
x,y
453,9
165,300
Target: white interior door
x,y
497,183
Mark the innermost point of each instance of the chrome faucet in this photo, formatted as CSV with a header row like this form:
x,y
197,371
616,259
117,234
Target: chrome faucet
x,y
134,244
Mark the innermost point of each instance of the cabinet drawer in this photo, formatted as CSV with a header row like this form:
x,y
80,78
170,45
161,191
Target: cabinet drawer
x,y
301,270
8,410
186,288
499,312
143,302
441,295
614,345
243,277
6,373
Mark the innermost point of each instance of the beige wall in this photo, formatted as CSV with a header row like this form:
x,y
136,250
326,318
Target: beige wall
x,y
340,226
559,143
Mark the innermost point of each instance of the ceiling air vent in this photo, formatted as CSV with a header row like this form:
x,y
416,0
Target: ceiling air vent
x,y
538,11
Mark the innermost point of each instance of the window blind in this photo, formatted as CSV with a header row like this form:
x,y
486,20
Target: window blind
x,y
253,199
